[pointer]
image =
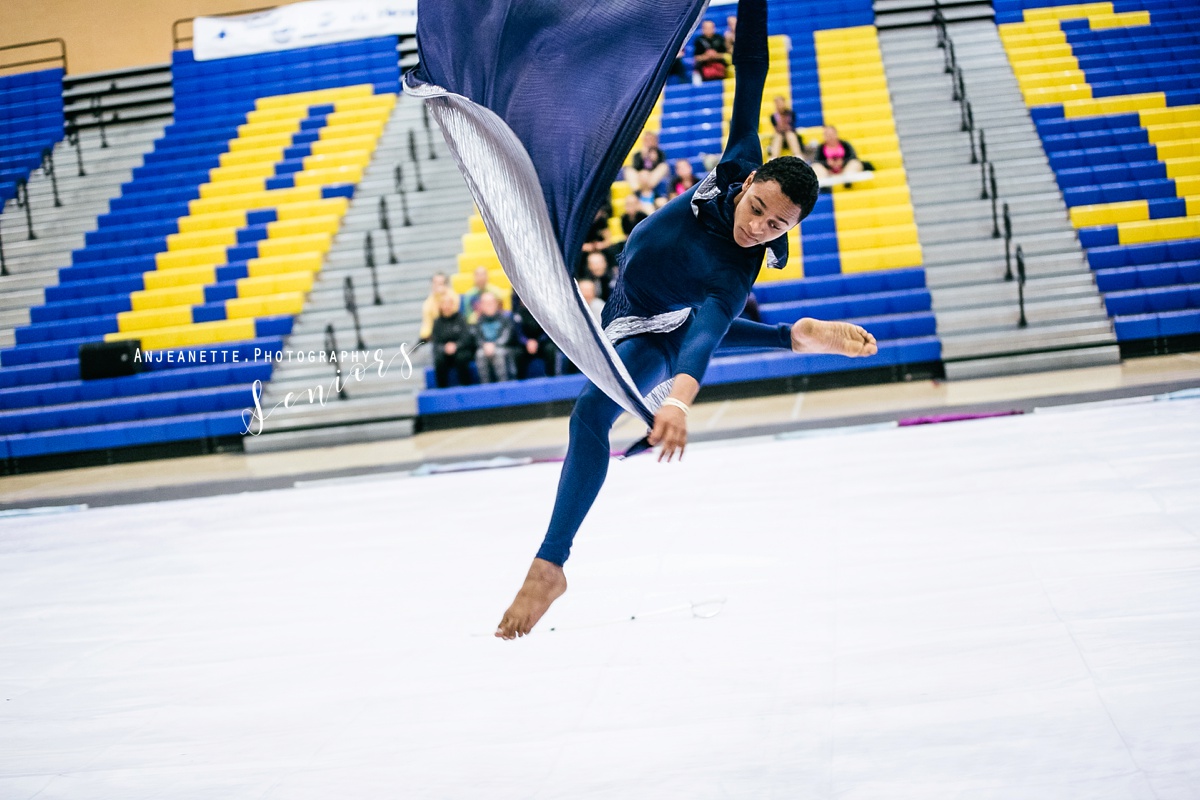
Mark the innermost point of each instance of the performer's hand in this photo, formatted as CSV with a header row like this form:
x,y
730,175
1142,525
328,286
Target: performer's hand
x,y
670,430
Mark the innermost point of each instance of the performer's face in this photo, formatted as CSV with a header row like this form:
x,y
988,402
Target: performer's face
x,y
763,213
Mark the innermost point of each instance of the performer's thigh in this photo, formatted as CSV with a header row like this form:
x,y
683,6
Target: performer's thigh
x,y
648,359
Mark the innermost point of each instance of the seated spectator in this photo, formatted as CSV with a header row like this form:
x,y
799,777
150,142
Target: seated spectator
x,y
495,336
533,343
835,156
453,343
599,271
599,237
471,296
432,307
784,122
634,213
588,289
684,179
678,68
648,171
710,50
730,33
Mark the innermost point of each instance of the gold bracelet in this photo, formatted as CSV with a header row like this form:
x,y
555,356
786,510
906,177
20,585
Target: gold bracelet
x,y
677,403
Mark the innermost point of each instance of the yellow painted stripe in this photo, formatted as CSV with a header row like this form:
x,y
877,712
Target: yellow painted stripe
x,y
1103,106
1159,230
1068,12
1110,213
190,335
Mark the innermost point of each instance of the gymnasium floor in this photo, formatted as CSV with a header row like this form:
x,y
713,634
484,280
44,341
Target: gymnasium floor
x,y
998,608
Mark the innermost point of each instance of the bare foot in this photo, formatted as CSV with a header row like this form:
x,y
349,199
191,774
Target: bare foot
x,y
544,584
840,338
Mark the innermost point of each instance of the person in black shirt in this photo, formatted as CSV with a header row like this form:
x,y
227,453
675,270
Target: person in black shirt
x,y
710,50
648,170
634,213
453,343
534,343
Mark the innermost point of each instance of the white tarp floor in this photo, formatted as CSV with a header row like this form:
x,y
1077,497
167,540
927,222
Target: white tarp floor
x,y
1005,608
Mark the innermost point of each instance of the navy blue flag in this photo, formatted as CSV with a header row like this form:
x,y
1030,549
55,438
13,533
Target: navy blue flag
x,y
540,101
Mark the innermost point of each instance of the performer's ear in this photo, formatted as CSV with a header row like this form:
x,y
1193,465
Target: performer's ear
x,y
749,180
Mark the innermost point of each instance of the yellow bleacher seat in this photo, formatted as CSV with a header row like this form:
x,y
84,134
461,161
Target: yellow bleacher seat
x,y
296,245
1110,213
190,335
129,321
194,257
268,305
192,295
284,264
1159,230
897,257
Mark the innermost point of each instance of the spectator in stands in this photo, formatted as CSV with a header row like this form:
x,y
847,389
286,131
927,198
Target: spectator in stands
x,y
432,307
453,343
730,33
495,336
784,122
678,68
600,271
588,289
710,50
533,343
684,178
599,237
471,296
634,213
648,171
835,156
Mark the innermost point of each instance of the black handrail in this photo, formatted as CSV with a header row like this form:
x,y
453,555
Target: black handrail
x,y
62,54
369,258
1008,273
72,136
428,132
412,152
385,223
400,190
1022,322
23,202
983,179
331,350
995,199
98,112
974,153
950,60
352,308
177,40
48,171
3,264
982,146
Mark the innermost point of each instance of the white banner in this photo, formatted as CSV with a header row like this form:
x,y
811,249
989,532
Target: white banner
x,y
301,25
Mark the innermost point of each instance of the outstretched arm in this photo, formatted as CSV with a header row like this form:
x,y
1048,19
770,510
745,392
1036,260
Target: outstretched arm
x,y
751,60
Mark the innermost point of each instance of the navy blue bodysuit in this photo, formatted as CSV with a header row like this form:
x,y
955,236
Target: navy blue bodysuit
x,y
682,284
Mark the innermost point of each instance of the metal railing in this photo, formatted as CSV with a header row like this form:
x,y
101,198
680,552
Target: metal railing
x,y
403,193
331,350
369,258
32,60
416,162
386,225
352,309
989,190
178,38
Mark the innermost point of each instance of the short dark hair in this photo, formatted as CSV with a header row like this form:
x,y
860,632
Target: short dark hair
x,y
795,178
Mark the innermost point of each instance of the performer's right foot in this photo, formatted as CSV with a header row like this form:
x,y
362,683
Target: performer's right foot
x,y
544,584
840,338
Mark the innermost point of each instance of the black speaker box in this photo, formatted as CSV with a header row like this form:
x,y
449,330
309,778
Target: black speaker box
x,y
109,359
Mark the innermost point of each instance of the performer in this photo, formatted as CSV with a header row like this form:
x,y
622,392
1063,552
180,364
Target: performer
x,y
685,275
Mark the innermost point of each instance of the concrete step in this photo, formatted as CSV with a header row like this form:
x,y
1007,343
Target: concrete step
x,y
992,270
1077,358
1055,336
1004,317
272,441
1004,293
931,213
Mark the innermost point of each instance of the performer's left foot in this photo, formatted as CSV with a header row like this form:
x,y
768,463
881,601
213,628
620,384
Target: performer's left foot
x,y
839,338
544,584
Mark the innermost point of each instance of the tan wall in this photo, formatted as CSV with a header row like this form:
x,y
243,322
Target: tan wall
x,y
106,34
